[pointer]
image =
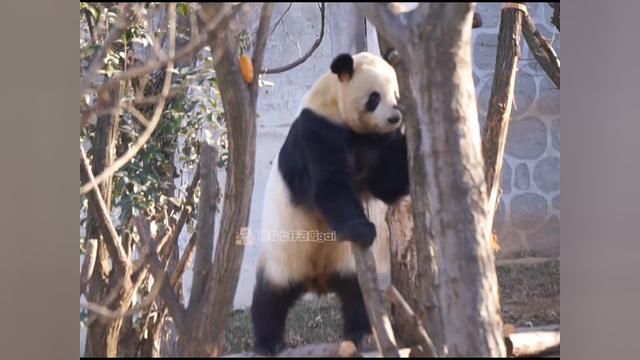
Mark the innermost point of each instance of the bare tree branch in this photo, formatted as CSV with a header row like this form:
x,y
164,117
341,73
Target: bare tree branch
x,y
133,150
416,327
166,290
172,241
92,33
494,135
541,49
112,240
261,43
378,316
307,55
116,31
275,25
555,18
206,221
182,263
221,18
88,263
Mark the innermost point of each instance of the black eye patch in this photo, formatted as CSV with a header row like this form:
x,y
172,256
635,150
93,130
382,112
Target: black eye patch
x,y
372,102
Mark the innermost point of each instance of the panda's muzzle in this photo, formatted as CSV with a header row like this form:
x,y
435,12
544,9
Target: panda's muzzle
x,y
394,119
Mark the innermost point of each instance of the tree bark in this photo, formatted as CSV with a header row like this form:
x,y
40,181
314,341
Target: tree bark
x,y
439,45
494,135
421,294
207,319
541,49
101,334
456,184
378,316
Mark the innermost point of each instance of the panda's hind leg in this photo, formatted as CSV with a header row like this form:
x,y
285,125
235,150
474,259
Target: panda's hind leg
x,y
269,310
354,313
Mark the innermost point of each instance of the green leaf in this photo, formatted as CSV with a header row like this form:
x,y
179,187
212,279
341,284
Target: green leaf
x,y
183,9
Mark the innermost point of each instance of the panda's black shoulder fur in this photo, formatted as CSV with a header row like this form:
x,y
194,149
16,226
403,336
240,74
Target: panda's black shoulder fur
x,y
327,167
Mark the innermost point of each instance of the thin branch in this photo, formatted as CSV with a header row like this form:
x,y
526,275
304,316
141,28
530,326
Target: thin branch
x,y
88,263
280,19
182,263
92,33
220,18
109,233
541,49
166,290
307,55
133,150
418,331
116,31
100,110
261,44
555,18
148,300
378,316
187,210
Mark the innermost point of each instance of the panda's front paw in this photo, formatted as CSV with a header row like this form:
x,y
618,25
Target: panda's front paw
x,y
362,232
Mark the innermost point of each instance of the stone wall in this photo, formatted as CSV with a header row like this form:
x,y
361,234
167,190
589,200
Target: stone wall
x,y
528,218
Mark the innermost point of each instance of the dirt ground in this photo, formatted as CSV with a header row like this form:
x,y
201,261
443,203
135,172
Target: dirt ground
x,y
529,293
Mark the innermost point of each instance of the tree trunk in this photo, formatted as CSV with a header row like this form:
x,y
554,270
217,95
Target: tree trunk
x,y
494,135
207,318
102,335
420,286
455,171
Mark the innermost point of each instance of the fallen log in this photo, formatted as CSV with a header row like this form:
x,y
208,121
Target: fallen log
x,y
520,342
538,341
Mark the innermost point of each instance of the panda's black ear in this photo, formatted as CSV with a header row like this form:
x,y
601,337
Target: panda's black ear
x,y
342,66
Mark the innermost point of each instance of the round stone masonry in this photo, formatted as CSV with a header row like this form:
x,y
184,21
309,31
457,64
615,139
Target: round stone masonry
x,y
521,178
555,134
528,211
524,93
527,138
505,182
549,100
484,51
546,240
546,174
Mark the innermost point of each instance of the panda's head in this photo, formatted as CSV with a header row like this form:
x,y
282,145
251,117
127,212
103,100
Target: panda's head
x,y
367,93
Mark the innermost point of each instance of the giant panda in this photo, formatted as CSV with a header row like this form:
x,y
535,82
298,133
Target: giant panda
x,y
344,148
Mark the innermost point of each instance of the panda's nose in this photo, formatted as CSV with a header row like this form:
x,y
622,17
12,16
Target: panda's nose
x,y
394,119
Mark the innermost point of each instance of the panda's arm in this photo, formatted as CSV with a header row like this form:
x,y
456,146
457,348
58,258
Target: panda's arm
x,y
389,177
332,183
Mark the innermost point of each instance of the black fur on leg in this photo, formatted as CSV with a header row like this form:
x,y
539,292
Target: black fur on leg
x,y
354,311
269,310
